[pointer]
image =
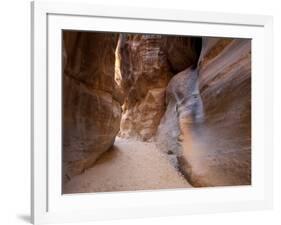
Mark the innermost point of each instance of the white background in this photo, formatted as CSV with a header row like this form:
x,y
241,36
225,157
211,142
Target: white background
x,y
15,109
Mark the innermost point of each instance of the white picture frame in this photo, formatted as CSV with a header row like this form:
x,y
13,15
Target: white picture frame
x,y
48,205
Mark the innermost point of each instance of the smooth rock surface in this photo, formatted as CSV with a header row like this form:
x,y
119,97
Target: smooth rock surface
x,y
218,152
91,100
184,105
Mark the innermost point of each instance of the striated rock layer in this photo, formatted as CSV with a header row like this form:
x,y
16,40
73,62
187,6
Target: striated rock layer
x,y
146,64
218,151
91,100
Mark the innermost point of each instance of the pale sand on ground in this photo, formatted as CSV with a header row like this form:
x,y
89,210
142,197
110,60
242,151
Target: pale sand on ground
x,y
130,165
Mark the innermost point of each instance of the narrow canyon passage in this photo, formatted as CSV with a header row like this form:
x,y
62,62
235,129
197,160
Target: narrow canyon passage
x,y
129,165
150,111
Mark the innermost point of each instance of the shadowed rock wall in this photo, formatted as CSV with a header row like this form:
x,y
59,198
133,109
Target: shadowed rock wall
x,y
91,98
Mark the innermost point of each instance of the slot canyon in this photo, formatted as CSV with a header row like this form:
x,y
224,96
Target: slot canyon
x,y
148,111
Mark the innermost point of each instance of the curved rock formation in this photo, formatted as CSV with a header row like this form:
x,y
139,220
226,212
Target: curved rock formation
x,y
184,107
220,150
91,100
147,63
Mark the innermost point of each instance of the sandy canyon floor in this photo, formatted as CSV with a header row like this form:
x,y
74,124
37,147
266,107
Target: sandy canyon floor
x,y
130,165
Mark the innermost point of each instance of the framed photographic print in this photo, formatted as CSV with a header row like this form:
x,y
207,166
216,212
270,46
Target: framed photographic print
x,y
148,112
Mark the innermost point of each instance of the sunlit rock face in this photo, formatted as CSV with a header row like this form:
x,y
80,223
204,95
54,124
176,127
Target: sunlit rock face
x,y
146,64
218,151
91,98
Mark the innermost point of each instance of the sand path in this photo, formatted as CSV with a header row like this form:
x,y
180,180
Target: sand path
x,y
129,165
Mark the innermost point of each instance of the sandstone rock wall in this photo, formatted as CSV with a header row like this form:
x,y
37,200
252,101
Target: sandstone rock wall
x,y
147,63
217,151
91,98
